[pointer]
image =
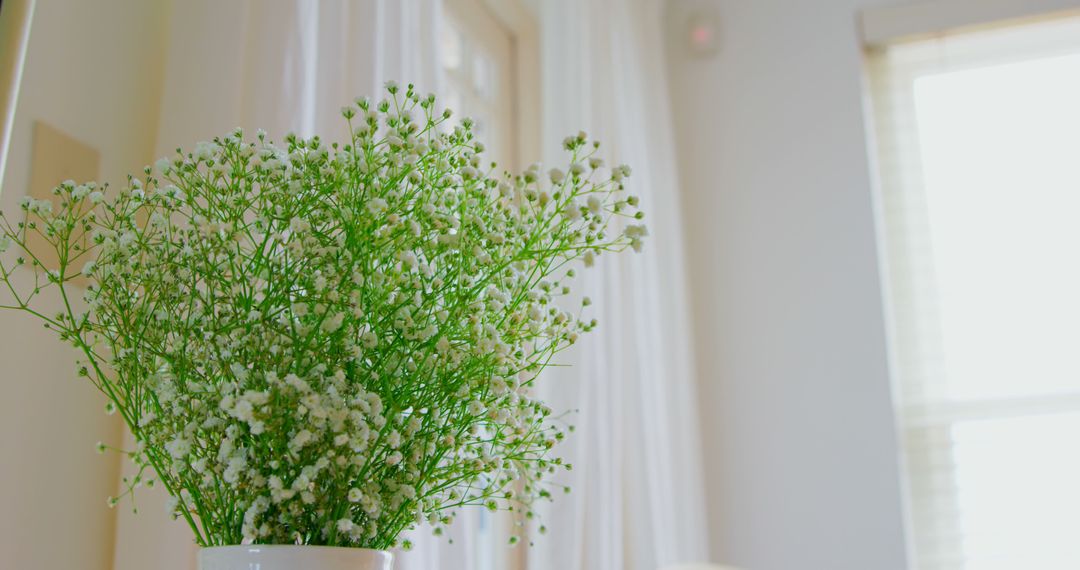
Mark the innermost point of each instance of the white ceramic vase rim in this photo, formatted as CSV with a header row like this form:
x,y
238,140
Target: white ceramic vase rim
x,y
292,557
288,546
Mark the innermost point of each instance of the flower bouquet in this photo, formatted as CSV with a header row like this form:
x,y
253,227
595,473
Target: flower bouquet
x,y
327,344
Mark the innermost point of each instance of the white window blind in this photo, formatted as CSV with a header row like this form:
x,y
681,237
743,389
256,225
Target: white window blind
x,y
978,146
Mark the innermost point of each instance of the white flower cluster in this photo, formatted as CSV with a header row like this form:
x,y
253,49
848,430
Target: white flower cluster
x,y
327,344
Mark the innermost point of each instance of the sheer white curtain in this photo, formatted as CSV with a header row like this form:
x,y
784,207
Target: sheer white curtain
x,y
289,65
637,481
279,65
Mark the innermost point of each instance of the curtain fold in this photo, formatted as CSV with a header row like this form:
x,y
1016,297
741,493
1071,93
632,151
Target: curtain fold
x,y
637,485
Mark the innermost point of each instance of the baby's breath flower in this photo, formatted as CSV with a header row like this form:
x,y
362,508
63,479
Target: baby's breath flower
x,y
333,323
594,204
332,342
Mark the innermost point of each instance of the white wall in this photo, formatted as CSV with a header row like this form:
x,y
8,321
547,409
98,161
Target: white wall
x,y
92,70
801,449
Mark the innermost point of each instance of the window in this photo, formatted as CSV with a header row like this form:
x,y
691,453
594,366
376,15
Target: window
x,y
978,142
480,71
488,51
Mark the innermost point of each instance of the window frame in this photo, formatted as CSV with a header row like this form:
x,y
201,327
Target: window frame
x,y
521,24
15,19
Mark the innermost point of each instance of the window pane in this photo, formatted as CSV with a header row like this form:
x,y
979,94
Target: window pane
x,y
485,541
979,150
452,98
1001,166
484,79
480,129
1018,496
451,46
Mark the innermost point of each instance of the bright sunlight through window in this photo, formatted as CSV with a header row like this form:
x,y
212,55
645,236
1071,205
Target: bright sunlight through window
x,y
979,149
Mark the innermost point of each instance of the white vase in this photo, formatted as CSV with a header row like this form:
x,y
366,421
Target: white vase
x,y
290,557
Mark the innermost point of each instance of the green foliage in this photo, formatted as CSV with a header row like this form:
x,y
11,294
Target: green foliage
x,y
326,345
